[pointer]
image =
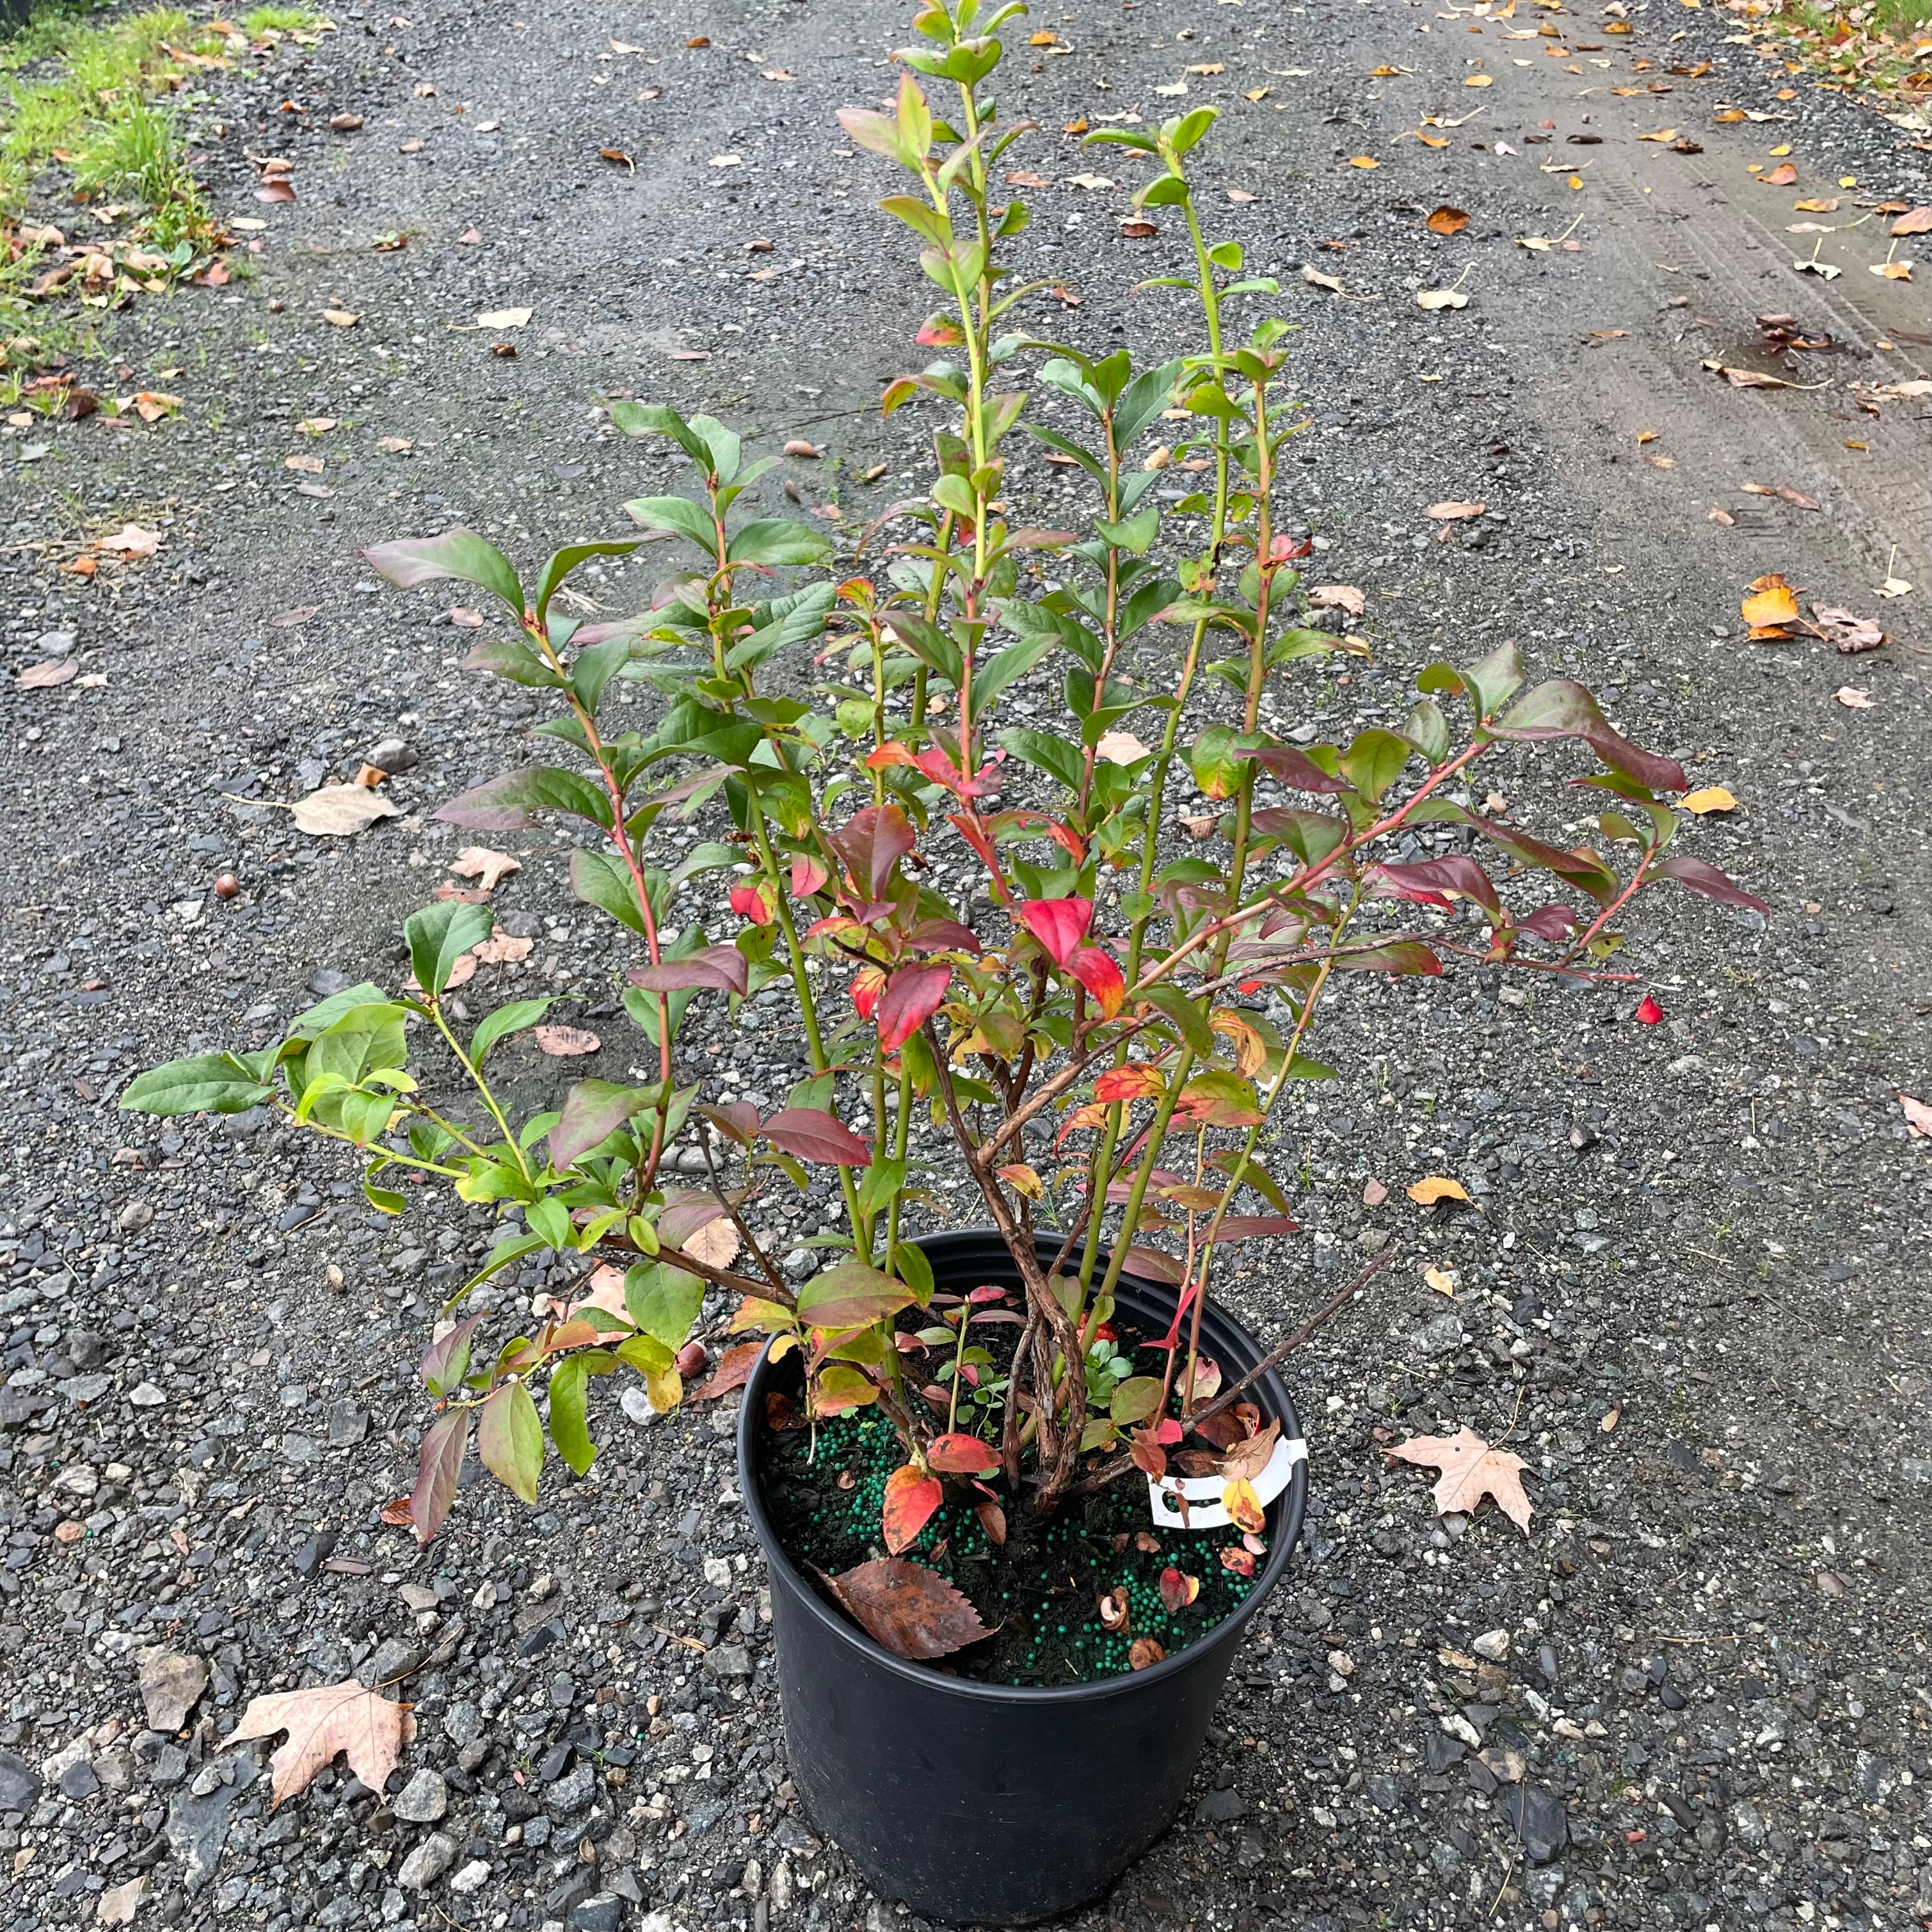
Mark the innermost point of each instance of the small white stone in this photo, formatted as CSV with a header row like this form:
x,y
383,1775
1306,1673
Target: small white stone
x,y
1493,1645
473,1877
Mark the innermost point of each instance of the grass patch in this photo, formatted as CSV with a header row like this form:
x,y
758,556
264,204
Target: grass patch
x,y
1880,48
103,104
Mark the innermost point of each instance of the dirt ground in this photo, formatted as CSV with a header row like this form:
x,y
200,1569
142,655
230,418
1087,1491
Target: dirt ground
x,y
1697,1694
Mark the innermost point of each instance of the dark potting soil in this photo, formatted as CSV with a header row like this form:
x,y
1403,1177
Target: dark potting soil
x,y
1039,1593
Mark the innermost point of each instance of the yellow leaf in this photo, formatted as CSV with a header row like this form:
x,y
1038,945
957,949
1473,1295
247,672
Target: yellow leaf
x,y
1712,798
1480,80
1433,140
1443,1280
1244,1506
1425,1193
1772,602
1364,161
1784,148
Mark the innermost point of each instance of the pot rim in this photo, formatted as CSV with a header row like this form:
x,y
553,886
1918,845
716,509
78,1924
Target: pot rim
x,y
1288,1534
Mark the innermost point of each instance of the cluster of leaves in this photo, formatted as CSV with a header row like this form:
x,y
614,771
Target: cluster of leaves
x,y
1150,1010
1880,50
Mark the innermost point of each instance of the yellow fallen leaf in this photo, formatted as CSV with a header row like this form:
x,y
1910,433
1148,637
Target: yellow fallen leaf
x,y
1364,161
1425,1193
1771,601
1662,134
1433,140
505,318
1257,93
1712,798
1480,80
1783,148
340,318
1443,1280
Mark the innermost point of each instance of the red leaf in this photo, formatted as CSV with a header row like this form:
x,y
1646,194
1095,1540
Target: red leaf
x,y
1059,925
808,876
908,1609
961,1455
1178,1589
733,1370
1650,1012
911,1497
1135,1082
815,1135
868,983
749,902
445,1444
1708,880
722,968
1096,971
912,996
873,843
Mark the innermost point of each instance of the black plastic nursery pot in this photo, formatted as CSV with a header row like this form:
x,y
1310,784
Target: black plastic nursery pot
x,y
988,1804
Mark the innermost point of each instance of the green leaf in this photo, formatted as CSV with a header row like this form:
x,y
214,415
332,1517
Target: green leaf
x,y
458,554
551,1219
439,935
204,1083
1016,660
878,1184
654,419
561,563
850,1296
910,1265
1135,534
1135,1400
595,666
663,1301
511,658
678,514
509,1438
1054,756
776,540
504,804
506,1020
325,1015
602,879
1374,761
1189,1015
385,1200
569,1423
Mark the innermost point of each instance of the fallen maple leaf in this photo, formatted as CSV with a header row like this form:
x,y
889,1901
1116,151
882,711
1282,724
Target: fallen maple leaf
x,y
1471,1470
907,1609
1435,1187
369,1729
488,869
1769,605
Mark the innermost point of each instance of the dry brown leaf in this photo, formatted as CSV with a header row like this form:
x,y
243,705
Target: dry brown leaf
x,y
1442,1280
1374,1194
1918,1118
340,811
1715,515
1853,635
1450,512
369,1729
1829,206
130,540
563,1042
1471,1470
617,158
716,1243
505,318
340,318
1783,175
1435,1187
1315,277
309,466
52,671
500,948
907,1609
1446,221
1914,221
1712,798
394,446
488,869
1120,748
1852,698
1338,597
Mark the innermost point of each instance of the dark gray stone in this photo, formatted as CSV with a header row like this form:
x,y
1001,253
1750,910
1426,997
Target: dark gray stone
x,y
1536,1816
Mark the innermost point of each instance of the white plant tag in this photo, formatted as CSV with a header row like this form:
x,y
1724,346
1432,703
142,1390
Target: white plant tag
x,y
1204,1492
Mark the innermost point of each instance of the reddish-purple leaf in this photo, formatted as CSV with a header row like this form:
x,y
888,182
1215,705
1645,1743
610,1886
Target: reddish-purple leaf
x,y
1563,709
912,995
1400,955
1708,880
1295,769
813,1134
1430,881
1150,1265
1177,1589
445,1442
1254,1227
489,807
911,1497
593,1110
992,1520
1555,921
961,1455
1059,925
943,935
907,1609
687,1215
721,968
872,844
1582,869
739,1121
446,1359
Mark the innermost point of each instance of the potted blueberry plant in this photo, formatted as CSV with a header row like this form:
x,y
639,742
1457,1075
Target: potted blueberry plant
x,y
1021,1486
